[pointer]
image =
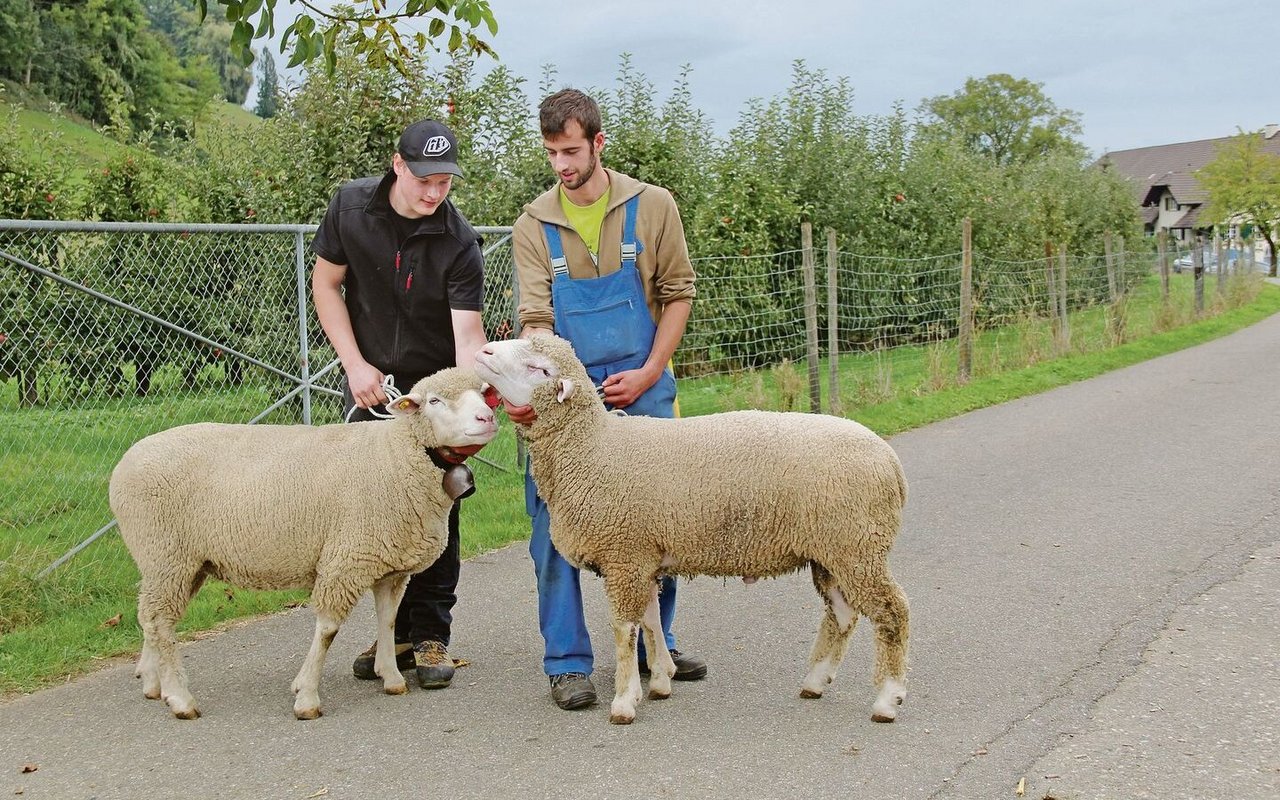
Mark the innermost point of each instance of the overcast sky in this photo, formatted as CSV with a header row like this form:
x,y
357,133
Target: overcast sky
x,y
1139,73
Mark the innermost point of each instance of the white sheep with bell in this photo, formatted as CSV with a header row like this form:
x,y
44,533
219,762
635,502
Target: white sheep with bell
x,y
746,493
285,506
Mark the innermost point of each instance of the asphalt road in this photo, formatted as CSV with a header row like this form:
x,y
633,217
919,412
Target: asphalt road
x,y
1094,576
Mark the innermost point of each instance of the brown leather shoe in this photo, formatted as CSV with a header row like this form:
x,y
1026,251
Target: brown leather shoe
x,y
572,690
435,667
688,667
362,667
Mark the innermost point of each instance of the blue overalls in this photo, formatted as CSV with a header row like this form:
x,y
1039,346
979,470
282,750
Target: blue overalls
x,y
608,322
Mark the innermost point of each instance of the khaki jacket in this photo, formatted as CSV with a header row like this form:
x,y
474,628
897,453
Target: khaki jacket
x,y
665,270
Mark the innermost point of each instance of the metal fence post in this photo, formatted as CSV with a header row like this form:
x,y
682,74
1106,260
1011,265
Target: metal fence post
x,y
304,353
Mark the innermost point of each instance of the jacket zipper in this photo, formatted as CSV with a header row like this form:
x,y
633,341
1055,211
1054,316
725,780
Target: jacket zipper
x,y
395,343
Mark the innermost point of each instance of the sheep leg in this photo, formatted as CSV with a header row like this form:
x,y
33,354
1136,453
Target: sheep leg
x,y
628,598
149,669
387,593
161,603
332,599
661,666
886,605
307,685
626,681
834,632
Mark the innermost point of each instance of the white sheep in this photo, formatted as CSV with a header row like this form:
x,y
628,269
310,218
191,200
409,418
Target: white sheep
x,y
747,493
334,508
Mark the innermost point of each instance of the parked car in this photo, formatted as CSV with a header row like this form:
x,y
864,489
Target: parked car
x,y
1210,261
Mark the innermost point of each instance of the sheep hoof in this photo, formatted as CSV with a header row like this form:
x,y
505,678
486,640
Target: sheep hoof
x,y
656,694
308,713
621,712
810,694
396,688
892,693
185,712
152,693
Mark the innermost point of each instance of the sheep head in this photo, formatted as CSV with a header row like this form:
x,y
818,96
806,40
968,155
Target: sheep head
x,y
541,371
456,407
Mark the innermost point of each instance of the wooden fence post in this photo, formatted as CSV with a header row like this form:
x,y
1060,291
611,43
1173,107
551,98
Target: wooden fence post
x,y
1051,288
1219,256
1115,321
965,342
811,317
1120,267
1064,320
1197,261
833,323
1162,255
1111,265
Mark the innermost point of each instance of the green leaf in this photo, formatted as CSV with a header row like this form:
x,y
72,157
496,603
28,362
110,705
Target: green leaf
x,y
455,39
241,35
233,10
435,28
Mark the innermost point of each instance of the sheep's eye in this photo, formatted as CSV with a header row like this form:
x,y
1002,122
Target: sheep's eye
x,y
435,401
545,371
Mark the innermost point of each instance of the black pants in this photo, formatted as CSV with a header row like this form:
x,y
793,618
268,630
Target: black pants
x,y
426,612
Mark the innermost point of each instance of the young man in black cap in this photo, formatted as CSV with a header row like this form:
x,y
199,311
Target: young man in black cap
x,y
398,287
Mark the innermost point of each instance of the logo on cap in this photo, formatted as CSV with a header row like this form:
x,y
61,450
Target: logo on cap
x,y
436,146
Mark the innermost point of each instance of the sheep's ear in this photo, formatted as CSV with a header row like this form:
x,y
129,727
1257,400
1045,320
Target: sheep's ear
x,y
566,390
405,405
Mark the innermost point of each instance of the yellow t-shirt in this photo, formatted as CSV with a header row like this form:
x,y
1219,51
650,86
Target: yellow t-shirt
x,y
586,220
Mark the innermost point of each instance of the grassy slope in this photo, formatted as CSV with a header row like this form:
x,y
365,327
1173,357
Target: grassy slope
x,y
87,147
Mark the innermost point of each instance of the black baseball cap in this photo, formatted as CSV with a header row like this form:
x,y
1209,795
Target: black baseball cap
x,y
428,147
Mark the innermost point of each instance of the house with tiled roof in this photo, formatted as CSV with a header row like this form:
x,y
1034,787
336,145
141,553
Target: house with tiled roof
x,y
1164,182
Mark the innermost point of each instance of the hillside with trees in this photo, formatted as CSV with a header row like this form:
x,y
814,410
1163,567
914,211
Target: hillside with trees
x,y
127,65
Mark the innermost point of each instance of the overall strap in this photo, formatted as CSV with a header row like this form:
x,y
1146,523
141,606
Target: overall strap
x,y
559,264
629,231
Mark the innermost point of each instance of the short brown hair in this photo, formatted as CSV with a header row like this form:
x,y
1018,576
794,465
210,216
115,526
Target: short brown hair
x,y
569,104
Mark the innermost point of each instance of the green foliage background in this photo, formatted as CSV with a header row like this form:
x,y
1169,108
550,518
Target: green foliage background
x,y
890,187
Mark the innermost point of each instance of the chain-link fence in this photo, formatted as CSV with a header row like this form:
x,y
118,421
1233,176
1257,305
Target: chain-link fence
x,y
111,332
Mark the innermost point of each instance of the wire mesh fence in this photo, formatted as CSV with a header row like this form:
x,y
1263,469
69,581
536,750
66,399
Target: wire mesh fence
x,y
110,332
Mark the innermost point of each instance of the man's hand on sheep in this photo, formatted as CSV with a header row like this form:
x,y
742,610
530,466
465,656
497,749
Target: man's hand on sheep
x,y
621,389
365,382
521,415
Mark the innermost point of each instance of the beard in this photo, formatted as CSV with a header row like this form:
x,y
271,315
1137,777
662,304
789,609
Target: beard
x,y
584,176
